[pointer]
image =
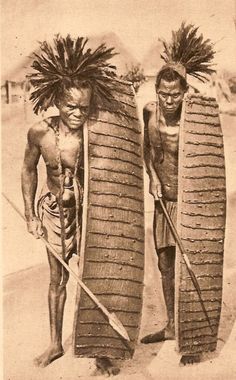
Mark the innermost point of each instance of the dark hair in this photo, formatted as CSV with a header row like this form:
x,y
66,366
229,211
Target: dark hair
x,y
170,75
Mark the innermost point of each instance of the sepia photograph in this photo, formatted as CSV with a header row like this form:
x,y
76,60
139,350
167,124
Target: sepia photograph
x,y
118,193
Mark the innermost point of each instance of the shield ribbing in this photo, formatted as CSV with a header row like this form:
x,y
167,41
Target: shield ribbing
x,y
112,257
200,224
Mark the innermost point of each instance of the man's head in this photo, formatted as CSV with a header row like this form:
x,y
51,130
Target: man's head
x,y
74,105
66,65
187,53
170,88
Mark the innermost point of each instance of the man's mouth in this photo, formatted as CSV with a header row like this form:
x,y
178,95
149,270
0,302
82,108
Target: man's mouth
x,y
169,109
75,121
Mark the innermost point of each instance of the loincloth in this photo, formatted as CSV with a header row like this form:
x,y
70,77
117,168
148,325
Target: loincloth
x,y
48,212
162,234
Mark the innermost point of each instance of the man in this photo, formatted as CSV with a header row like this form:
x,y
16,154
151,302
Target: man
x,y
161,156
74,81
161,146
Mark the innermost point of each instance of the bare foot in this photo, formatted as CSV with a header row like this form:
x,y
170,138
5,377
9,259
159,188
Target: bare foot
x,y
165,334
106,367
190,359
51,354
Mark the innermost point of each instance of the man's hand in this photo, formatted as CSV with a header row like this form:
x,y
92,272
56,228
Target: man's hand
x,y
34,227
155,189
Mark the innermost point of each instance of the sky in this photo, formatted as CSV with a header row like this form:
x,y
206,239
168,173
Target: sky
x,y
138,23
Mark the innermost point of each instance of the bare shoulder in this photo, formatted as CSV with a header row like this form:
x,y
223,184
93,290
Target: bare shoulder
x,y
150,107
38,130
149,110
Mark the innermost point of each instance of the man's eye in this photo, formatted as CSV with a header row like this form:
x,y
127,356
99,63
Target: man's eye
x,y
165,96
84,109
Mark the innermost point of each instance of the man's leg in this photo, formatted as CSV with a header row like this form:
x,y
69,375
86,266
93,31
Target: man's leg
x,y
56,302
166,264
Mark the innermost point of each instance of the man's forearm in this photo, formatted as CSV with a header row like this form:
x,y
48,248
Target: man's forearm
x,y
29,182
147,153
153,176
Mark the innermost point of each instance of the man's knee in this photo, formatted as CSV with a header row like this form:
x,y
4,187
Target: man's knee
x,y
167,271
59,279
166,262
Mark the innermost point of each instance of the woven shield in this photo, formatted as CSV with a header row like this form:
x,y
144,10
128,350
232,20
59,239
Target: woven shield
x,y
200,224
112,247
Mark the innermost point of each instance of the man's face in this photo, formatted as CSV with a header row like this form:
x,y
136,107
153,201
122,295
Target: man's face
x,y
170,96
74,107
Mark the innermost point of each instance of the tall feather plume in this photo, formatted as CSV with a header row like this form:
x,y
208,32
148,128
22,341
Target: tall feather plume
x,y
66,62
191,51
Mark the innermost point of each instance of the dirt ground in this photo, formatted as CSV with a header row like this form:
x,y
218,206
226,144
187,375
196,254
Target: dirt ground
x,y
25,282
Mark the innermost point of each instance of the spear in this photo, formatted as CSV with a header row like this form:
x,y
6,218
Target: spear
x,y
186,260
114,322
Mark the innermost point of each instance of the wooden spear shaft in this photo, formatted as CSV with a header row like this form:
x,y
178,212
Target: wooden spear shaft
x,y
186,260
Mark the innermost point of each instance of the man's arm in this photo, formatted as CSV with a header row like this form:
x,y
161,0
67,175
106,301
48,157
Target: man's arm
x,y
155,184
29,181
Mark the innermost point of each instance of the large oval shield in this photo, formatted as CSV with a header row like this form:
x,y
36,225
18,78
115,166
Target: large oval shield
x,y
112,247
201,224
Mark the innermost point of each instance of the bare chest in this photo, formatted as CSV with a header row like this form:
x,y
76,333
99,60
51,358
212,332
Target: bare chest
x,y
69,149
170,137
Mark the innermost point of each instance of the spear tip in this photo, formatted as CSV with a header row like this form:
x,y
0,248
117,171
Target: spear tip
x,y
117,325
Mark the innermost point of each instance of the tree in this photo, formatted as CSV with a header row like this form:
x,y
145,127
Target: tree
x,y
135,75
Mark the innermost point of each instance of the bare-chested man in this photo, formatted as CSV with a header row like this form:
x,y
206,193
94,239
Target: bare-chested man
x,y
59,140
42,140
186,54
162,121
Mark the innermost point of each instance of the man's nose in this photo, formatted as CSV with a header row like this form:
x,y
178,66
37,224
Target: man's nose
x,y
77,112
169,100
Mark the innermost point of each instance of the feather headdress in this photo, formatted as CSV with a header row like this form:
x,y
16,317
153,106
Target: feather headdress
x,y
188,53
67,63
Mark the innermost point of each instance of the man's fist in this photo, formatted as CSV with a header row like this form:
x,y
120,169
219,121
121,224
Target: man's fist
x,y
155,189
34,227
